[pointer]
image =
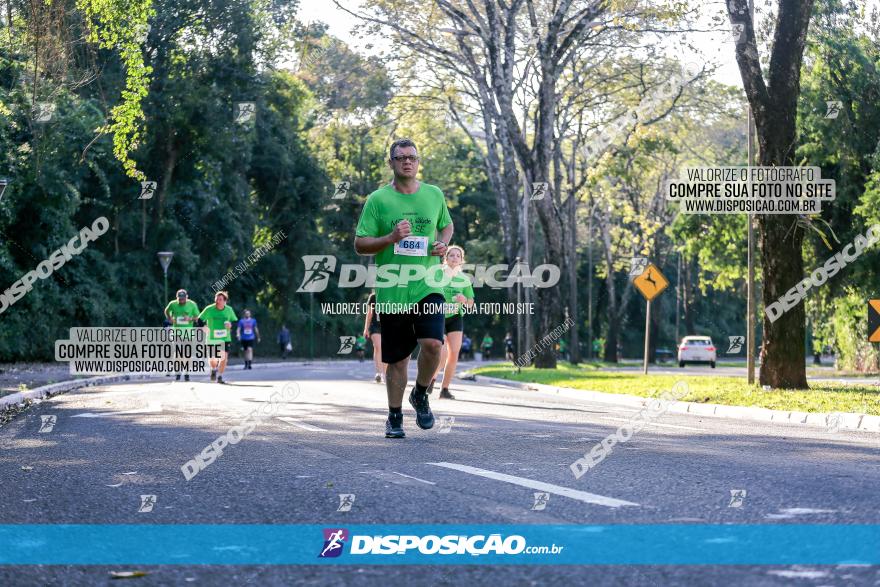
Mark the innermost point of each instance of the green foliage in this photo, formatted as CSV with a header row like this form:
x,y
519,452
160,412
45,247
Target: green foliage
x,y
122,25
849,324
732,391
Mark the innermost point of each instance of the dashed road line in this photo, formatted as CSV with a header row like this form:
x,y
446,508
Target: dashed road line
x,y
152,408
415,478
539,485
673,426
303,425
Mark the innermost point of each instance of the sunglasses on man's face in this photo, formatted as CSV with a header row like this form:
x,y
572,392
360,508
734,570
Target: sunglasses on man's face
x,y
402,158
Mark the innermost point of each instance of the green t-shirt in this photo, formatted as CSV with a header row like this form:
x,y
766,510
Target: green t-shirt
x,y
215,320
460,284
179,312
487,342
427,213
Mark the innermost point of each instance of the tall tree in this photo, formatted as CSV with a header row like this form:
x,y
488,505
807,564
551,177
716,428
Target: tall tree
x,y
774,107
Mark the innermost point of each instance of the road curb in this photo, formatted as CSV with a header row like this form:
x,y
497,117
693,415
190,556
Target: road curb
x,y
46,391
836,420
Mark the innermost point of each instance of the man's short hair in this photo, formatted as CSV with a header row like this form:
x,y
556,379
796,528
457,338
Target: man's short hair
x,y
222,293
401,143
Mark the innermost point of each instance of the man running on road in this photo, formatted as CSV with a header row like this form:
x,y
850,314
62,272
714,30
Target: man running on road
x,y
182,313
218,319
247,332
399,225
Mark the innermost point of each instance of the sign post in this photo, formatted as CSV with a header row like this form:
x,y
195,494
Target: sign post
x,y
647,335
650,283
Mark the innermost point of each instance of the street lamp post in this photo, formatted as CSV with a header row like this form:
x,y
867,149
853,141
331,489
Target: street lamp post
x,y
165,260
519,317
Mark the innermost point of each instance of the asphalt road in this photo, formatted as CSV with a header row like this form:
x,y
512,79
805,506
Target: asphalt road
x,y
108,446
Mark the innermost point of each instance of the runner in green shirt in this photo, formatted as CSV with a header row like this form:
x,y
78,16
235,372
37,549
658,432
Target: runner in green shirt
x,y
407,226
459,293
360,344
486,347
218,318
182,313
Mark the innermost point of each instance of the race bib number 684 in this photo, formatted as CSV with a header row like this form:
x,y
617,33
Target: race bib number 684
x,y
412,246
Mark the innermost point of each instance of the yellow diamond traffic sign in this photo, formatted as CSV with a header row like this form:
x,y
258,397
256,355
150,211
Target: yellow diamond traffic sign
x,y
874,320
651,282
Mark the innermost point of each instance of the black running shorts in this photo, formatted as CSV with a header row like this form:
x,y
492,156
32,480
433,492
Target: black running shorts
x,y
401,332
247,344
454,324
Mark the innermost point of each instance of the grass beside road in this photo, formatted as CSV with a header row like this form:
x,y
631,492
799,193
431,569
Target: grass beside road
x,y
732,391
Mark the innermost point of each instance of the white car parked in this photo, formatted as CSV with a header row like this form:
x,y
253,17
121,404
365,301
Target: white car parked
x,y
696,349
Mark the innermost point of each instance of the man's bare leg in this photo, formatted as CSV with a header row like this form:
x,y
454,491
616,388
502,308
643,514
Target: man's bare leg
x,y
395,382
443,359
224,357
429,360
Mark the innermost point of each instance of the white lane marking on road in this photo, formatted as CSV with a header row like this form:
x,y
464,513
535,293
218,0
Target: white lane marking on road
x,y
393,477
673,426
799,574
152,408
539,485
303,425
416,478
788,513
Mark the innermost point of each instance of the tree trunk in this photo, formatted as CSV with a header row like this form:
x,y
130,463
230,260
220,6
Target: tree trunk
x,y
688,298
574,308
613,307
774,108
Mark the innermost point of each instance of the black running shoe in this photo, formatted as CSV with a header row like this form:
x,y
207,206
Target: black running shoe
x,y
444,394
213,375
419,402
394,426
177,378
220,379
186,377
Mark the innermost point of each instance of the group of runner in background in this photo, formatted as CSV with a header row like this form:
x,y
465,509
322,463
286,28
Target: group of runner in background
x,y
217,319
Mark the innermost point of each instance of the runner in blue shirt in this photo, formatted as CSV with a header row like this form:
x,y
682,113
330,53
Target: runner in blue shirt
x,y
247,333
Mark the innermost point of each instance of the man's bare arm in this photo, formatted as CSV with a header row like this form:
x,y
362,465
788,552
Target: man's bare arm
x,y
370,245
444,235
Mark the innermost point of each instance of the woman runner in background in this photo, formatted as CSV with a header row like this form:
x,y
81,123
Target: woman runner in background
x,y
373,331
458,293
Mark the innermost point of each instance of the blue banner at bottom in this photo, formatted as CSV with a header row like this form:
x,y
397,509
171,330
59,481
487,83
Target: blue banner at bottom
x,y
662,544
